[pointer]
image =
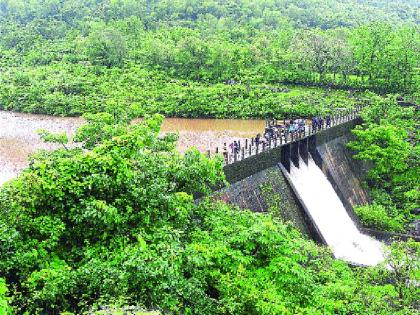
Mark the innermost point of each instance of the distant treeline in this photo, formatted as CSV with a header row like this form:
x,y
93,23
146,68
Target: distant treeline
x,y
200,44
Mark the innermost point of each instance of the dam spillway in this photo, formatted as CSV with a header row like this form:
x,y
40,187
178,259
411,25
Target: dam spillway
x,y
318,202
331,218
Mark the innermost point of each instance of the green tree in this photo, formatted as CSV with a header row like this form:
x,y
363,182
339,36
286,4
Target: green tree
x,y
106,47
192,56
384,140
313,49
5,309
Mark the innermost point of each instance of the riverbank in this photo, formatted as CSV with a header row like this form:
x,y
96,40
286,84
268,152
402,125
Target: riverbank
x,y
19,138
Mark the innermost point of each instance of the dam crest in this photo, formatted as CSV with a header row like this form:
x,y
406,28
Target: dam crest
x,y
312,183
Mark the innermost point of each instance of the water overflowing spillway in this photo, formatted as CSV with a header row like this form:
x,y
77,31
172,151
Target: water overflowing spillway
x,y
331,218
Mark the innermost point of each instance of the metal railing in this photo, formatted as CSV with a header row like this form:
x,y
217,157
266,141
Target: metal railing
x,y
250,147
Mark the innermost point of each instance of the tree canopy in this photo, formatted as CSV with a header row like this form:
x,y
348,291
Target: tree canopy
x,y
203,58
116,225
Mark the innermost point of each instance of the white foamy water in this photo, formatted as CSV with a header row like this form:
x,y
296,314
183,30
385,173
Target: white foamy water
x,y
331,218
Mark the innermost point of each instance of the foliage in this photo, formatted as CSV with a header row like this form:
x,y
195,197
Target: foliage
x,y
403,261
202,59
117,225
377,216
5,309
388,140
386,146
125,310
75,90
106,47
47,137
99,127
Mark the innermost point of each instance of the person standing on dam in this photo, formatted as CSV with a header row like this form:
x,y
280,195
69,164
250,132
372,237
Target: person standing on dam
x,y
328,121
320,123
302,126
314,124
257,139
235,147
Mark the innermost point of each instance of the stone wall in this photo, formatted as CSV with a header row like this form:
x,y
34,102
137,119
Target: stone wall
x,y
252,165
346,172
268,191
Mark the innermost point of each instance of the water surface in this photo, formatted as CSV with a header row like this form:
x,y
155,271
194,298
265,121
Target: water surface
x,y
19,138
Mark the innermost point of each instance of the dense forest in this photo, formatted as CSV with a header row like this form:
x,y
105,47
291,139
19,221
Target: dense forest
x,y
116,225
205,58
112,223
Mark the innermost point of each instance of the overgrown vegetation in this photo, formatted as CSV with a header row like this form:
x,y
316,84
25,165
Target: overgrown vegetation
x,y
5,309
203,59
112,222
389,140
116,225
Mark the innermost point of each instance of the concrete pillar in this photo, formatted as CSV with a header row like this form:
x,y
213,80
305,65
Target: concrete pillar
x,y
294,153
285,156
303,149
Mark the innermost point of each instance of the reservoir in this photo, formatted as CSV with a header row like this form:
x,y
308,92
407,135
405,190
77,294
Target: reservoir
x,y
19,138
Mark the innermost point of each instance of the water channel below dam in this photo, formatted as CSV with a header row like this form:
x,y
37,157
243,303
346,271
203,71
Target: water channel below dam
x,y
19,138
331,218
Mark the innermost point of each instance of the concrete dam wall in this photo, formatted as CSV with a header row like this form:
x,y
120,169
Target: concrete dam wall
x,y
258,183
268,191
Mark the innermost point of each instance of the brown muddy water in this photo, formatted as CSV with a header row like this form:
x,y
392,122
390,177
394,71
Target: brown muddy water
x,y
19,138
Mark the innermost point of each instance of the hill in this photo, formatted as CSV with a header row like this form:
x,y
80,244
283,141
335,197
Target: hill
x,y
203,58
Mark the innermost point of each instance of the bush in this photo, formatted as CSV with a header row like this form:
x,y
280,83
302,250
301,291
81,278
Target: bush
x,y
4,300
106,47
378,217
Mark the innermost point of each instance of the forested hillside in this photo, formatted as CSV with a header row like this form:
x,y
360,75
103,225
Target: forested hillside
x,y
260,14
112,222
204,58
116,225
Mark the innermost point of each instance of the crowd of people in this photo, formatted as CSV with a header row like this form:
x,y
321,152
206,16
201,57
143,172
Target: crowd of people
x,y
284,130
291,129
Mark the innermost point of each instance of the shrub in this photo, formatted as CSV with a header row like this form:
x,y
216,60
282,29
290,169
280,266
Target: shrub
x,y
378,217
4,304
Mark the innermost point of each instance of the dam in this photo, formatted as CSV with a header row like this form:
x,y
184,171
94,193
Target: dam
x,y
261,177
330,216
312,183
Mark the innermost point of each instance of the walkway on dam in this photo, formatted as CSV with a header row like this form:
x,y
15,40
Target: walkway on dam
x,y
250,147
